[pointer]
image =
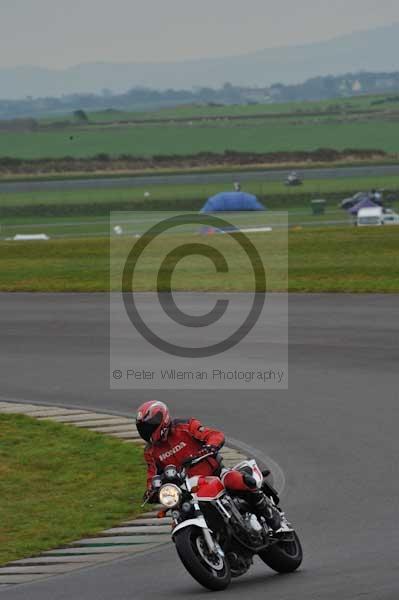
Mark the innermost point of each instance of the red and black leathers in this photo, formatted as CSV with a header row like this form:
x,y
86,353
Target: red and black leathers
x,y
186,438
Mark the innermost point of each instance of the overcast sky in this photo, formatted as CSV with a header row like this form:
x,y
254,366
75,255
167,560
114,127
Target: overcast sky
x,y
59,33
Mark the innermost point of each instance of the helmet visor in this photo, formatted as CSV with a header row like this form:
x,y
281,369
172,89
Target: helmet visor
x,y
149,426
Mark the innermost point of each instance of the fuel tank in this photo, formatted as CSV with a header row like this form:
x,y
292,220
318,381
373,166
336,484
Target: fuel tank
x,y
209,488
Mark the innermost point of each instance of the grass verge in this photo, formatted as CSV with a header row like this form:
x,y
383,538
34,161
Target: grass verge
x,y
114,171
59,483
345,259
99,202
190,138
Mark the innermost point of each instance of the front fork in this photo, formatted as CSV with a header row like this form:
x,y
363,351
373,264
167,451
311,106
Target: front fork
x,y
213,547
199,521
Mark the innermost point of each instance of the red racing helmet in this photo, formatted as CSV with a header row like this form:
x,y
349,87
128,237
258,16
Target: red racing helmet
x,y
153,421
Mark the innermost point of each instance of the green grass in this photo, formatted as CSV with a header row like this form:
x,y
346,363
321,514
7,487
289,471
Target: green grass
x,y
185,139
360,123
360,103
356,260
73,213
59,483
355,104
320,260
85,212
116,170
99,225
267,190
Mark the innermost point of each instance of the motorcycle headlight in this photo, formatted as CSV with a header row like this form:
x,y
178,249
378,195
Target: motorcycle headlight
x,y
170,495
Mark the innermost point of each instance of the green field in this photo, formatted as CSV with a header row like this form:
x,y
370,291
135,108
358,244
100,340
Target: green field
x,y
361,123
39,206
167,193
356,104
328,259
60,483
81,226
320,260
185,139
85,212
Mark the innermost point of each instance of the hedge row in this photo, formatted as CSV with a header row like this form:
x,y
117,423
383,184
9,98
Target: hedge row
x,y
107,162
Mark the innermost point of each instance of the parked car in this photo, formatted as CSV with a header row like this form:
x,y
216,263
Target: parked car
x,y
348,203
374,196
390,217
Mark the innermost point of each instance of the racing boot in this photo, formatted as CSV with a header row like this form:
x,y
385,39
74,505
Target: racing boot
x,y
262,505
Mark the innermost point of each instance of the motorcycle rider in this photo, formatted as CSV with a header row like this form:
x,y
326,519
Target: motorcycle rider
x,y
172,442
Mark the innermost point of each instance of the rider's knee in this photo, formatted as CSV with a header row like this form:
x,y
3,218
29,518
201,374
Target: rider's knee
x,y
238,482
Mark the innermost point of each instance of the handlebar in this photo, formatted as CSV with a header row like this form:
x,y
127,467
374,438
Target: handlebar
x,y
193,460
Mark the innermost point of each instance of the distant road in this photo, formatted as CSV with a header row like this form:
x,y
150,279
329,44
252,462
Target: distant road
x,y
196,178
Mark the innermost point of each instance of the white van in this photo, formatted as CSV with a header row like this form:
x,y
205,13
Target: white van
x,y
370,216
377,216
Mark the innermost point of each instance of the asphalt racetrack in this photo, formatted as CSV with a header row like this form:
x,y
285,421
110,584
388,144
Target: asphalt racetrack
x,y
196,178
334,434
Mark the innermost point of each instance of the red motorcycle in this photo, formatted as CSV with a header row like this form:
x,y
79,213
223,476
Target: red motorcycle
x,y
217,533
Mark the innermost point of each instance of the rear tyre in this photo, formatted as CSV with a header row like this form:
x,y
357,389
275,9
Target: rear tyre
x,y
211,571
284,557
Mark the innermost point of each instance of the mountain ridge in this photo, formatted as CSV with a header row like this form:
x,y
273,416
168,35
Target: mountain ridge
x,y
368,50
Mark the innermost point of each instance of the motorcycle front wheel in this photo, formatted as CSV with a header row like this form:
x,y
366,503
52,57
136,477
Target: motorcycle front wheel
x,y
285,556
210,570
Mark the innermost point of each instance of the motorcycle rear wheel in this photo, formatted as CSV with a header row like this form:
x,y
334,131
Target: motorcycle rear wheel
x,y
284,557
190,548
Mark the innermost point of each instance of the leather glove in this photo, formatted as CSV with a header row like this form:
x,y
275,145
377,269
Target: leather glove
x,y
209,448
150,496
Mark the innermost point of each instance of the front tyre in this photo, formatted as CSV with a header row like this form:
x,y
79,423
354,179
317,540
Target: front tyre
x,y
210,570
284,556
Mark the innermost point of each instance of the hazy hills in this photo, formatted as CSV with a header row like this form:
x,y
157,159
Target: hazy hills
x,y
373,50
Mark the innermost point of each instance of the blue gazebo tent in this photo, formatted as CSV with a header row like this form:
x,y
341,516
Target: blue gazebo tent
x,y
232,202
365,203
